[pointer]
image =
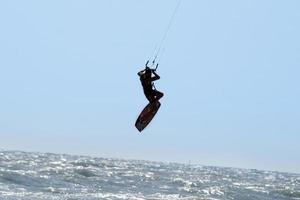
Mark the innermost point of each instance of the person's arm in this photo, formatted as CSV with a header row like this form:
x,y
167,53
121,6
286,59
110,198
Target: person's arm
x,y
141,72
156,76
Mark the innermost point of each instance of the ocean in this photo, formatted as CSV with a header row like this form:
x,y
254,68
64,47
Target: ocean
x,y
47,176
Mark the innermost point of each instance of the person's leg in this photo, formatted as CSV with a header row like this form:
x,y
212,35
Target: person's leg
x,y
158,95
150,95
150,98
153,95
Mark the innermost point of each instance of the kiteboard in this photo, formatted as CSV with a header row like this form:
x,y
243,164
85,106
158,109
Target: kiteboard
x,y
147,115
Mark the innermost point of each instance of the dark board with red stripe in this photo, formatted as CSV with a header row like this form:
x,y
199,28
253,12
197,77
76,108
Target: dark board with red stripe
x,y
147,115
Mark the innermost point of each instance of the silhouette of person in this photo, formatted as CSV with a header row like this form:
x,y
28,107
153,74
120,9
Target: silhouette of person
x,y
147,81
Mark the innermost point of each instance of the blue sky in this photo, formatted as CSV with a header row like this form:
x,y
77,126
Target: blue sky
x,y
230,74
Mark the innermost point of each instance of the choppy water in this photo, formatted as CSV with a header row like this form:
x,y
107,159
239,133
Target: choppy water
x,y
40,176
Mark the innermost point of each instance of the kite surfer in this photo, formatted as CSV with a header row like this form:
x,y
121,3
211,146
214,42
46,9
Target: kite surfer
x,y
147,81
147,78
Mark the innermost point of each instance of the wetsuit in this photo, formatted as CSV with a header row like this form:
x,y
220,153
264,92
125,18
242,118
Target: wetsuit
x,y
148,89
